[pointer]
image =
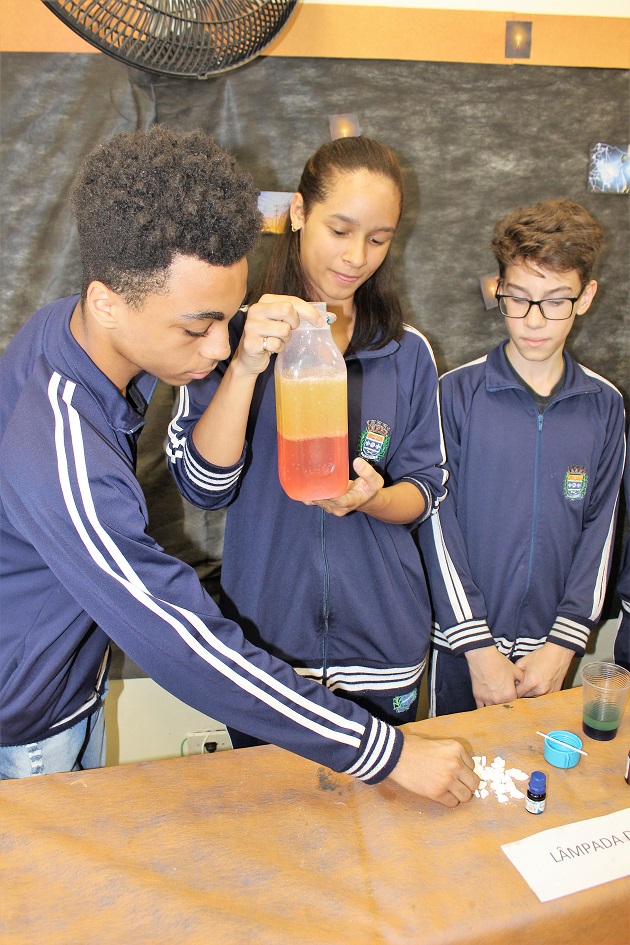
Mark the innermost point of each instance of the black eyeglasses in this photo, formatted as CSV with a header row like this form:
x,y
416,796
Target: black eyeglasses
x,y
555,309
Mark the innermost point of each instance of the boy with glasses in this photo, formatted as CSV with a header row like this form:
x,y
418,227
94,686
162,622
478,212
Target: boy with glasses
x,y
518,556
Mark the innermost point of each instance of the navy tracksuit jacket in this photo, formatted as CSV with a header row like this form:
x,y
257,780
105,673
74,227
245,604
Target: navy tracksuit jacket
x,y
78,569
519,552
344,600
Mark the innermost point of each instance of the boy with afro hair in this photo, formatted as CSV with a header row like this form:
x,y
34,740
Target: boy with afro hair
x,y
165,222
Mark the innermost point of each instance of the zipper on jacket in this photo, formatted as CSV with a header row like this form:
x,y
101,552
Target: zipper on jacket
x,y
325,602
535,520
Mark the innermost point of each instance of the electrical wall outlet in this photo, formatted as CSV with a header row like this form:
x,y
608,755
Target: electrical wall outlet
x,y
199,743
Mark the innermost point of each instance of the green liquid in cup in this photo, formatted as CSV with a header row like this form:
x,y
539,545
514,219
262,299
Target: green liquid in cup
x,y
601,720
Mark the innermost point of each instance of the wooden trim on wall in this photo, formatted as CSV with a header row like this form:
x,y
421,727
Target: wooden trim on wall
x,y
367,32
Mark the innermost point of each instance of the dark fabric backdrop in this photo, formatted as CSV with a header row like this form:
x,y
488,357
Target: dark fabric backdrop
x,y
474,141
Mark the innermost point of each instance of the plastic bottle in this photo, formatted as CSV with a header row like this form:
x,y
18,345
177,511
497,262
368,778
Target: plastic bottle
x,y
536,793
312,414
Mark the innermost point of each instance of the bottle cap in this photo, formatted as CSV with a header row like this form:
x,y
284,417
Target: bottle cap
x,y
321,308
560,752
538,782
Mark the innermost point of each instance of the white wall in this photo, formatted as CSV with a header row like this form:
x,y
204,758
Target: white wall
x,y
145,723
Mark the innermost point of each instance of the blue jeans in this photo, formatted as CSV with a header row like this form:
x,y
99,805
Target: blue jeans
x,y
77,748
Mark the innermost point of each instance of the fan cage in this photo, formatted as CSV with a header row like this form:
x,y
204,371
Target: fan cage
x,y
184,38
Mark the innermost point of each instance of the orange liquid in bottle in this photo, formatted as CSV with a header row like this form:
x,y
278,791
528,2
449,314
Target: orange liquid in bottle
x,y
312,426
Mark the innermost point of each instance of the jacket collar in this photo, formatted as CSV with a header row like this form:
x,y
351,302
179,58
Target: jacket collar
x,y
499,375
66,355
389,348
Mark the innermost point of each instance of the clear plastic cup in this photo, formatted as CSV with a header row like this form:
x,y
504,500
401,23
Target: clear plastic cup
x,y
605,688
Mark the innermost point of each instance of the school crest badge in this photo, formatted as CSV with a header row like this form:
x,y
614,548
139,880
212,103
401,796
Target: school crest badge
x,y
374,441
402,703
575,483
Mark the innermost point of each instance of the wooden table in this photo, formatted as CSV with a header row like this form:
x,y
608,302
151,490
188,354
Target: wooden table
x,y
262,847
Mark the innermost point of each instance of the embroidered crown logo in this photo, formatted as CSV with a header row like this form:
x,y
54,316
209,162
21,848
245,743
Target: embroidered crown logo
x,y
374,441
575,483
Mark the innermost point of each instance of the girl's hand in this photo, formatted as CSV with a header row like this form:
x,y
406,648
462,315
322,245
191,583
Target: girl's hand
x,y
399,504
359,492
268,327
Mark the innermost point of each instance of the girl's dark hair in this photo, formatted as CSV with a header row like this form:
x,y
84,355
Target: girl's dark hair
x,y
142,198
558,235
379,312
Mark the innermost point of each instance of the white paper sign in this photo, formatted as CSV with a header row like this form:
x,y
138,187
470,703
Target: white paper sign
x,y
577,856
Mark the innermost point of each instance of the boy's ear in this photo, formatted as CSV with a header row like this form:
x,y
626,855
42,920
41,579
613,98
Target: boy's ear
x,y
587,296
101,302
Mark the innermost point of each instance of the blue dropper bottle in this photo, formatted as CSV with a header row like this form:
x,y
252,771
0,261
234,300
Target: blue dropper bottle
x,y
536,793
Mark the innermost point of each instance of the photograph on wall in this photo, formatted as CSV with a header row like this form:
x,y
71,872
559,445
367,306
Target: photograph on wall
x,y
609,168
273,204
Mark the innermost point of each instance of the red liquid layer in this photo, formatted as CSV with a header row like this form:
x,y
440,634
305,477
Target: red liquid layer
x,y
316,468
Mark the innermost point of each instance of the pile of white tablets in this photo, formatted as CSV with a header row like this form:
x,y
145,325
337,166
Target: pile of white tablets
x,y
496,779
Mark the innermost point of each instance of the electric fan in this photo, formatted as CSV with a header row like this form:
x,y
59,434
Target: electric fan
x,y
185,38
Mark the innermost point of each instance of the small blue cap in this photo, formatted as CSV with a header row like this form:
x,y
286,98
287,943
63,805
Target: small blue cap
x,y
538,782
561,752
